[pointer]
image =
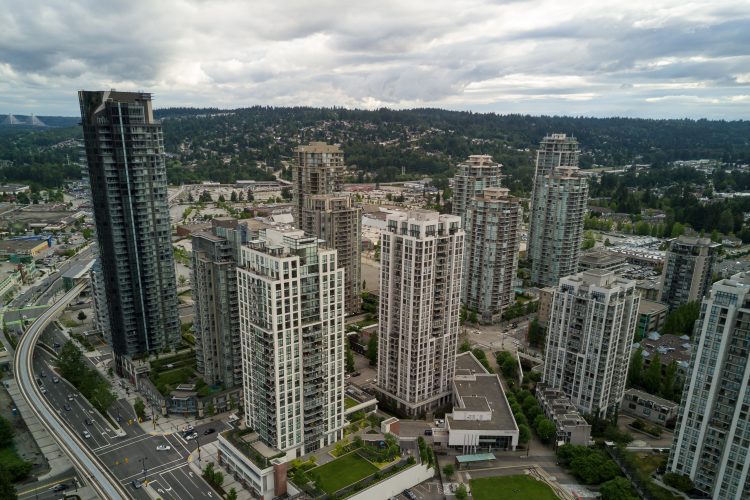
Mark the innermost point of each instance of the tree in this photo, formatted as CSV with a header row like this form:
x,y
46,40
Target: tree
x,y
348,358
286,193
70,362
448,470
233,197
222,199
232,495
682,319
635,371
461,493
669,381
546,430
7,490
679,481
372,349
524,433
537,334
652,377
140,408
81,316
618,489
6,432
250,196
205,197
87,233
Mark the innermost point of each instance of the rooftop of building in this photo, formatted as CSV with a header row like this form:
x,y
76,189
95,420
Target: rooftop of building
x,y
650,397
482,392
20,245
318,147
249,444
599,278
668,347
600,258
650,307
695,241
559,404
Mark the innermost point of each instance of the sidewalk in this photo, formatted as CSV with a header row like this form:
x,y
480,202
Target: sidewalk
x,y
208,454
57,460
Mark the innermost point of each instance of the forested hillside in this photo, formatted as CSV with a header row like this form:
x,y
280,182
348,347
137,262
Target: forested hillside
x,y
224,145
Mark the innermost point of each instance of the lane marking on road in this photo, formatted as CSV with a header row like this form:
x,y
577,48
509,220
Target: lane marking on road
x,y
178,441
155,470
121,444
48,486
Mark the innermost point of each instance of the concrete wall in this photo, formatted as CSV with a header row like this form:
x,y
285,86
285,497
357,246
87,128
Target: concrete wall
x,y
395,484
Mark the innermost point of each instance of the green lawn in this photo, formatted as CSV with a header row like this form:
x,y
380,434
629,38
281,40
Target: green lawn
x,y
512,487
342,472
349,402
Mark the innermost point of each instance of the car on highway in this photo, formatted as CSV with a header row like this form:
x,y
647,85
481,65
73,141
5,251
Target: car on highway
x,y
88,421
56,345
137,484
188,428
66,407
43,390
43,374
70,397
55,380
86,434
163,447
59,487
208,431
191,436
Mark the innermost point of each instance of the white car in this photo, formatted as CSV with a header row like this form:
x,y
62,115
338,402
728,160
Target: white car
x,y
191,436
86,434
188,428
43,390
163,447
55,380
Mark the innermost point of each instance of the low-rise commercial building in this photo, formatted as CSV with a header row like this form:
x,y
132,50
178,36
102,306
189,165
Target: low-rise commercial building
x,y
18,250
601,259
651,317
645,406
481,419
572,428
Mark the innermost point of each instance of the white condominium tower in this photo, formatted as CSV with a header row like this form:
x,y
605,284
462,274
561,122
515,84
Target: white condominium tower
x,y
712,437
471,179
589,338
553,230
420,300
493,232
291,296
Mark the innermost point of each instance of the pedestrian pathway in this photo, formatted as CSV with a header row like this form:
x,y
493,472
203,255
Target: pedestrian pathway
x,y
209,455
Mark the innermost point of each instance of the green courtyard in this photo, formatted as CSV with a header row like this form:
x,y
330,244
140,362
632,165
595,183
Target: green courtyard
x,y
512,487
342,472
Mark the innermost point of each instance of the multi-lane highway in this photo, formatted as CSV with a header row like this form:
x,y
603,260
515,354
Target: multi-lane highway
x,y
100,478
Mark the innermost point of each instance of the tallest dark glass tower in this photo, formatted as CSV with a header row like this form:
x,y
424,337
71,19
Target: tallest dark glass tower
x,y
125,153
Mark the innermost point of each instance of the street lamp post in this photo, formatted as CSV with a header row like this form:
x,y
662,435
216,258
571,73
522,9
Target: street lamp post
x,y
143,465
197,442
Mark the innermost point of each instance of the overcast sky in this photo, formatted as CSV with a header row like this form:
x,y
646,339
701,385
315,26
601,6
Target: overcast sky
x,y
652,58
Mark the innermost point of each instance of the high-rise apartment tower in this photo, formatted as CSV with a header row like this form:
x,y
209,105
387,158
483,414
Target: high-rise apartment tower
x,y
217,315
560,198
472,177
291,295
712,437
125,154
589,337
421,259
321,210
687,272
493,233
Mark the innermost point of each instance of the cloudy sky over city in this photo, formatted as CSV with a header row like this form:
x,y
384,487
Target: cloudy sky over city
x,y
655,58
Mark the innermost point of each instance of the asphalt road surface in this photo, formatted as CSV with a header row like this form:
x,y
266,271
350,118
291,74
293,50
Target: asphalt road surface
x,y
133,456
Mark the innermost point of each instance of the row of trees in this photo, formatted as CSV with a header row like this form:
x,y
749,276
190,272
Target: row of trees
x,y
528,413
72,367
653,378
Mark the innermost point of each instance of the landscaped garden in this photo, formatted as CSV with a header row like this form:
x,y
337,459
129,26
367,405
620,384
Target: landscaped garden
x,y
342,472
517,487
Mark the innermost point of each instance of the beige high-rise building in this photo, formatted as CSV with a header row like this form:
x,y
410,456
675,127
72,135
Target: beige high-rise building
x,y
472,177
558,204
492,226
321,210
421,260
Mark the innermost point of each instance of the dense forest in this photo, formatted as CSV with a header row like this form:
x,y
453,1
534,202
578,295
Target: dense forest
x,y
225,145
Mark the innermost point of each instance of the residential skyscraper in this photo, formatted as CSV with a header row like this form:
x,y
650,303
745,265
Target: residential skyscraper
x,y
712,436
217,315
589,338
472,177
688,269
421,259
560,198
125,154
321,210
291,296
493,233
